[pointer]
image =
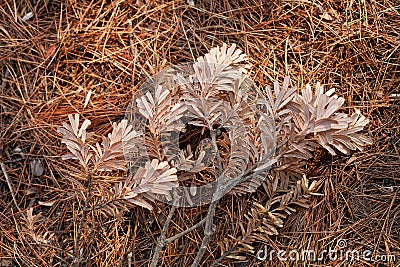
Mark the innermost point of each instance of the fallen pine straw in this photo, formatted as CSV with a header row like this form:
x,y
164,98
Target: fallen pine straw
x,y
67,50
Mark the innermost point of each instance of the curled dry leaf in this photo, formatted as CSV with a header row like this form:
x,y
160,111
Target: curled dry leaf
x,y
36,167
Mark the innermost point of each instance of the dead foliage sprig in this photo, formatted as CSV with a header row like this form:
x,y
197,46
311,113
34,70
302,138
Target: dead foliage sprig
x,y
155,178
265,220
302,122
247,134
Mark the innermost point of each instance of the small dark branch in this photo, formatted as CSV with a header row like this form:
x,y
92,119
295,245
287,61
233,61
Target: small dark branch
x,y
213,135
3,168
208,231
77,258
161,241
210,228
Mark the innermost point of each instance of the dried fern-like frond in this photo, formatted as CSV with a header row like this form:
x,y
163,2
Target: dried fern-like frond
x,y
266,219
33,229
304,122
156,178
160,110
349,138
105,157
219,70
276,103
314,117
320,116
148,183
75,140
109,156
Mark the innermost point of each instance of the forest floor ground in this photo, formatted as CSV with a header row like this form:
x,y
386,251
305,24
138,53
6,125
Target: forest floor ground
x,y
50,61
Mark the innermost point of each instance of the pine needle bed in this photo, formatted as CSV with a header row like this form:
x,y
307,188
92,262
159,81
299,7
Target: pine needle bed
x,y
51,61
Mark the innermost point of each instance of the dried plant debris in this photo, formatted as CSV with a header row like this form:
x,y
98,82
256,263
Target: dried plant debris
x,y
281,134
299,171
36,167
156,177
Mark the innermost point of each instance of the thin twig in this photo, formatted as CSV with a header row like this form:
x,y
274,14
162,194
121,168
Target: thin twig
x,y
77,258
3,168
213,135
130,259
209,229
161,240
220,191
